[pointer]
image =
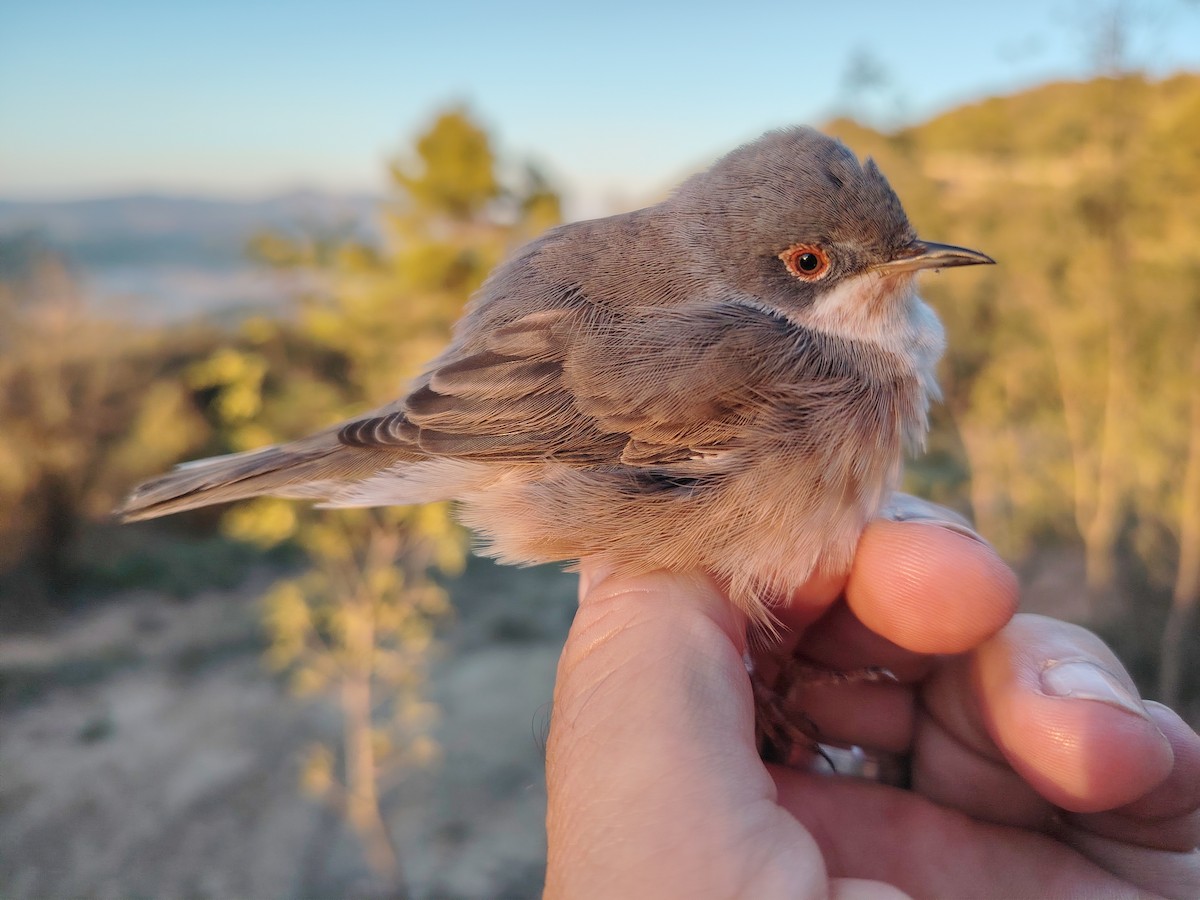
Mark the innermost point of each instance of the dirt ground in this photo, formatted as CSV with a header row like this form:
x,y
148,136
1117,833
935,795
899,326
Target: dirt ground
x,y
145,751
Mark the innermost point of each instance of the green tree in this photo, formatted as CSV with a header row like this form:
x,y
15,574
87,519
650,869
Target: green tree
x,y
359,625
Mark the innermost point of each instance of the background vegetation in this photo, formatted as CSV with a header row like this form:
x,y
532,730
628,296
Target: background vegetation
x,y
1070,429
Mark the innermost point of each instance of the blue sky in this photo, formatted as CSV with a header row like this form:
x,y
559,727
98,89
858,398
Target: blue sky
x,y
615,99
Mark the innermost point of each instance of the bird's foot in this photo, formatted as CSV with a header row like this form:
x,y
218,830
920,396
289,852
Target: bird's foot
x,y
785,734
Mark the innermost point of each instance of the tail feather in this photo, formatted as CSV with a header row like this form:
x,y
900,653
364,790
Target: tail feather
x,y
312,469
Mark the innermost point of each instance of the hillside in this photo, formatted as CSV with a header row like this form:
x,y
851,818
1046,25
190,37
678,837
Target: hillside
x,y
156,257
1051,139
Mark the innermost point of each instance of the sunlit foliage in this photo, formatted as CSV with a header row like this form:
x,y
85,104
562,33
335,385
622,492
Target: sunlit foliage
x,y
85,407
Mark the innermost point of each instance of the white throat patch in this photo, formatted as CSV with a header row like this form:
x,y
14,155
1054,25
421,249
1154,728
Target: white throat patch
x,y
868,307
885,311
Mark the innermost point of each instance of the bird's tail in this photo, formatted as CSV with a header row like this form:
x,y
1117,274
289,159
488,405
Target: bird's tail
x,y
314,469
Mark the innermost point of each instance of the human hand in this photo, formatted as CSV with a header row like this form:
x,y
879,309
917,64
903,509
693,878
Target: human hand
x,y
1036,770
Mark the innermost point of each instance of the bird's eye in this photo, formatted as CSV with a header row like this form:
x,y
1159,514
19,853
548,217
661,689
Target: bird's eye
x,y
808,262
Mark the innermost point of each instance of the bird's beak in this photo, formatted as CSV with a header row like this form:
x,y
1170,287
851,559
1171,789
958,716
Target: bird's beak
x,y
928,255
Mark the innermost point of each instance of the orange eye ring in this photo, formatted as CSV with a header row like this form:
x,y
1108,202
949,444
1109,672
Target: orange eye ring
x,y
808,262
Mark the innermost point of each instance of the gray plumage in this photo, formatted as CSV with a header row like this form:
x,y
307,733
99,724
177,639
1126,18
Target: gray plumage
x,y
725,381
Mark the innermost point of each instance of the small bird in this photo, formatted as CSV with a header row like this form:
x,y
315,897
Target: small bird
x,y
725,381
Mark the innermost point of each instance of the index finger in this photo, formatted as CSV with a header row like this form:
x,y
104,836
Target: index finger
x,y
918,589
929,589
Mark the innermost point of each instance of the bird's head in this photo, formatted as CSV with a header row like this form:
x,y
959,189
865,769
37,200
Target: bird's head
x,y
796,223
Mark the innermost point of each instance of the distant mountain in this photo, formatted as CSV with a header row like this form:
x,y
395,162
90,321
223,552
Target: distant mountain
x,y
162,256
163,228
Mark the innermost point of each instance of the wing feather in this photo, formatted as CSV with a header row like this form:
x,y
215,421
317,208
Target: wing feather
x,y
647,389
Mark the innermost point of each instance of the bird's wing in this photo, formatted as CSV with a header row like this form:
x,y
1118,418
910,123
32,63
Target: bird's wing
x,y
653,388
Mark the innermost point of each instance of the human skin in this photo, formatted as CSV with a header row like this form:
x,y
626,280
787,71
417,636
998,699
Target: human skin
x,y
1036,769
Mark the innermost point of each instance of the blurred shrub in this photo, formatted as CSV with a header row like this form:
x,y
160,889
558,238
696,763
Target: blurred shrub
x,y
178,568
88,407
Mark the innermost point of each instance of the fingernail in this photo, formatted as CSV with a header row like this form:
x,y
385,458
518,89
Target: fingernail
x,y
907,508
1079,679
